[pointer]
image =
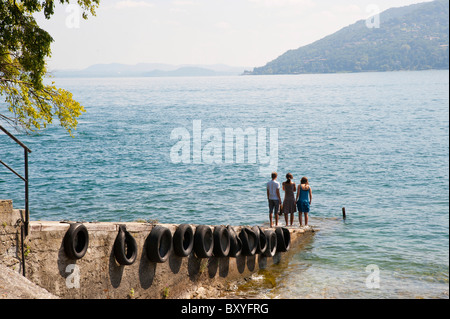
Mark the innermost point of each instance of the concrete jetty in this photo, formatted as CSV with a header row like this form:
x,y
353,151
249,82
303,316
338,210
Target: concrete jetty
x,y
51,273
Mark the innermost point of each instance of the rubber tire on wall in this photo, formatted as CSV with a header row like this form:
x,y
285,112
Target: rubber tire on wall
x,y
221,241
125,240
159,244
283,239
262,240
183,240
271,243
76,241
249,241
235,243
203,241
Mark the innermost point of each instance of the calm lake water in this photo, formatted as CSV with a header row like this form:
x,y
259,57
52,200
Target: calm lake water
x,y
157,148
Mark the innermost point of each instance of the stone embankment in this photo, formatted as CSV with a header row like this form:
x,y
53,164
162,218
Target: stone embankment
x,y
52,272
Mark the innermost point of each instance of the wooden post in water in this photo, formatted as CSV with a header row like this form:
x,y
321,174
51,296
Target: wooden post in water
x,y
343,213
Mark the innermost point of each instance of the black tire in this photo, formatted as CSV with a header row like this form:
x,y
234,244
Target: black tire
x,y
125,247
221,241
159,244
271,243
283,239
183,240
262,240
249,241
235,243
203,241
76,241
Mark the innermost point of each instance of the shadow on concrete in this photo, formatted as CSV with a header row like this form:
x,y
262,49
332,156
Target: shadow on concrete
x,y
115,270
194,267
251,262
175,263
224,266
147,269
240,263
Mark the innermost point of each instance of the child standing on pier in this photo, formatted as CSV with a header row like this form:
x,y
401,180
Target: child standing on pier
x,y
274,198
289,188
304,197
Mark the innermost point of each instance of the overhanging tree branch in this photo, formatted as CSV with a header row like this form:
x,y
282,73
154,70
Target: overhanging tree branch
x,y
24,46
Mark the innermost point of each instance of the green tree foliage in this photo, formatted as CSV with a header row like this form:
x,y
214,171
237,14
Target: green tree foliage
x,y
408,38
24,47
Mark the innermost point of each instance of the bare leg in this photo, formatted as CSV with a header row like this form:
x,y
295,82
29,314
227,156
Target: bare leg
x,y
300,218
270,219
286,218
306,219
292,219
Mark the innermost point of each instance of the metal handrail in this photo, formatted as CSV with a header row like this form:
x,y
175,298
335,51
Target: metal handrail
x,y
15,139
25,179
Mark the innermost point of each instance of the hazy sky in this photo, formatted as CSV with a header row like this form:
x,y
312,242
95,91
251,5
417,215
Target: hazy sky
x,y
235,32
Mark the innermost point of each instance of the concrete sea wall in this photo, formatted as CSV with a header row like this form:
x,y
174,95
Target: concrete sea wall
x,y
98,274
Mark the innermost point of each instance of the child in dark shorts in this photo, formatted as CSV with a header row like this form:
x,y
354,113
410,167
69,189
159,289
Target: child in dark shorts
x,y
274,198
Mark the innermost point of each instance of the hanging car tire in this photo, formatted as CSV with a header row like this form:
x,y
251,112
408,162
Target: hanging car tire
x,y
183,240
125,247
203,241
249,241
271,243
262,240
76,241
283,239
159,244
235,243
221,241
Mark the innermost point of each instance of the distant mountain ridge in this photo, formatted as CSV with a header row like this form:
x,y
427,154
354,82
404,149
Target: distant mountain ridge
x,y
414,37
149,70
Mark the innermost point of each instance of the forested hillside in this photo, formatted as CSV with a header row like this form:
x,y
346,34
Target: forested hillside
x,y
408,38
